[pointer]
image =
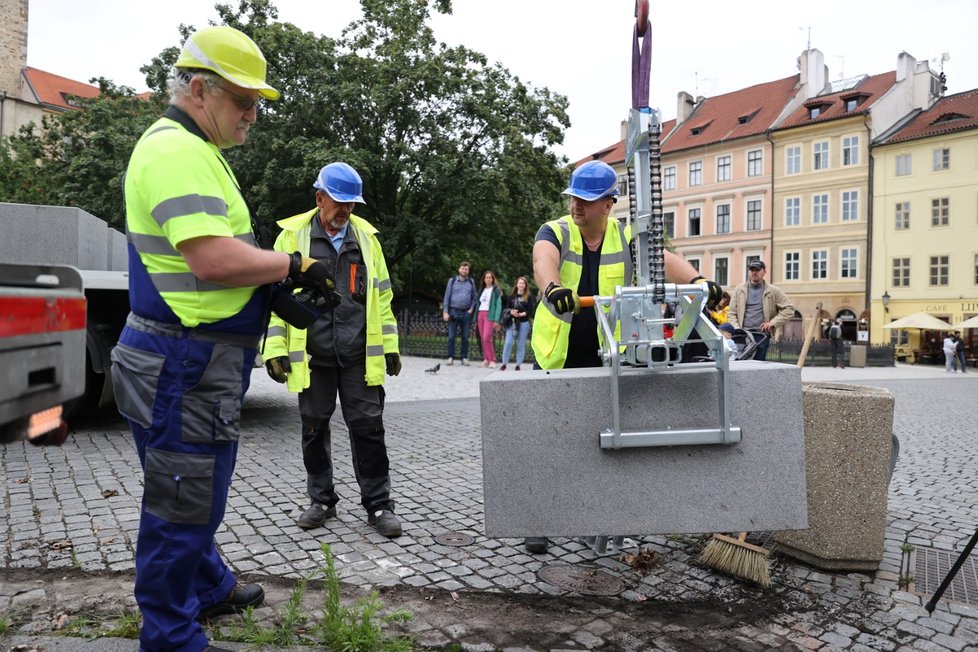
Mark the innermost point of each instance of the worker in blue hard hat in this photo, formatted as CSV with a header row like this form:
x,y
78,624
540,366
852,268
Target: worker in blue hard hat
x,y
347,351
584,253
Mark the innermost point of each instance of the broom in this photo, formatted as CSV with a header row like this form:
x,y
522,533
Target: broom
x,y
735,556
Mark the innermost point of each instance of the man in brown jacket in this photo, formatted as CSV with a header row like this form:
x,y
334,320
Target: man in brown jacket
x,y
759,307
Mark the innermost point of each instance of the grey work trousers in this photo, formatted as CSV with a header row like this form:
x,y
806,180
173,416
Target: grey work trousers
x,y
363,408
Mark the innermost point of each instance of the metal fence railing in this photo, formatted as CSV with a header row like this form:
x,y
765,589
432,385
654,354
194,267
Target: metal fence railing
x,y
425,334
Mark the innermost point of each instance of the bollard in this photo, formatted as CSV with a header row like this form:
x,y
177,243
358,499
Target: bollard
x,y
848,446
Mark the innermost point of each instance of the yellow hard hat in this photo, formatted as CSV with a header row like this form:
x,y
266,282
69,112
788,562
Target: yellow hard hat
x,y
229,53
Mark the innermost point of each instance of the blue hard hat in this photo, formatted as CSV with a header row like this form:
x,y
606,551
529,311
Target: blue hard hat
x,y
341,182
593,180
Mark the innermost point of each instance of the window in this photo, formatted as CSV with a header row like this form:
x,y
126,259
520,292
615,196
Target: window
x,y
721,267
850,205
792,266
820,264
820,155
669,178
820,209
976,269
850,150
903,165
851,104
696,173
755,163
695,262
669,224
623,184
902,215
723,220
754,219
940,211
942,158
849,260
901,272
792,159
723,168
694,222
792,211
938,269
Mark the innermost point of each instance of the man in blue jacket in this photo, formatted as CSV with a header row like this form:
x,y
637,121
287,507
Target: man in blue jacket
x,y
459,303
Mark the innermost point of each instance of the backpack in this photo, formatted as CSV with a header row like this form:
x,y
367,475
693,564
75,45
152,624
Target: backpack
x,y
835,332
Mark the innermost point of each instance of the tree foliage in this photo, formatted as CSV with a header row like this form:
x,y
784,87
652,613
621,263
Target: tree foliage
x,y
455,152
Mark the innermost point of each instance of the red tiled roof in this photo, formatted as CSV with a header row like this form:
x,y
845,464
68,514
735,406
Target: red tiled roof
x,y
949,114
615,154
52,90
746,112
870,89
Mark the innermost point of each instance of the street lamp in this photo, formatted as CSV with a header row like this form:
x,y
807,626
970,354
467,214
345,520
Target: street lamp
x,y
886,301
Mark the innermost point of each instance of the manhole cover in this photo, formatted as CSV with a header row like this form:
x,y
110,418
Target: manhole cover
x,y
454,539
933,565
586,581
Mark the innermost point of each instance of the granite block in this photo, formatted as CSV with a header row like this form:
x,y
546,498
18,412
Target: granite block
x,y
545,474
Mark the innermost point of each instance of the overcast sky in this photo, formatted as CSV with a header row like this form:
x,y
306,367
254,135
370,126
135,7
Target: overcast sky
x,y
579,48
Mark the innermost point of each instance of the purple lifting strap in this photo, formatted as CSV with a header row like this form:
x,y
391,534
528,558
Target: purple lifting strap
x,y
641,65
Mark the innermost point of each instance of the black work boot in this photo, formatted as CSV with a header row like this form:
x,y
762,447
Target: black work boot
x,y
536,545
385,523
240,598
315,516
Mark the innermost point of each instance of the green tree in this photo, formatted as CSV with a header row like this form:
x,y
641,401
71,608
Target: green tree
x,y
455,152
78,158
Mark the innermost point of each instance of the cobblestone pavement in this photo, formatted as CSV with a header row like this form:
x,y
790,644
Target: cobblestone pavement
x,y
71,516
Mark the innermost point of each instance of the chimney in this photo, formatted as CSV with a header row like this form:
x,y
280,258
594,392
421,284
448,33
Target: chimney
x,y
684,107
906,65
814,73
13,45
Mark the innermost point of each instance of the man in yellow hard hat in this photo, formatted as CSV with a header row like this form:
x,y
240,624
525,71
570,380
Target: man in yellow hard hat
x,y
199,291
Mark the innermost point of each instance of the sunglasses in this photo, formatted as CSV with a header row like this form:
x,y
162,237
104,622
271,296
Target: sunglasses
x,y
243,102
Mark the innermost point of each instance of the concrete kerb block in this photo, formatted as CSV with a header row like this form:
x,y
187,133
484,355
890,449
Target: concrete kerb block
x,y
57,235
545,474
848,443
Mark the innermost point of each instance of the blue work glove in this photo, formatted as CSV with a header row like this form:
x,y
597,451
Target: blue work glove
x,y
563,299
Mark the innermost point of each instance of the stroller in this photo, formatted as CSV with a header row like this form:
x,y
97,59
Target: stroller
x,y
747,343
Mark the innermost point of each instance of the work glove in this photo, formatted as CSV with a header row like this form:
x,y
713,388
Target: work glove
x,y
278,368
306,272
715,292
393,361
563,299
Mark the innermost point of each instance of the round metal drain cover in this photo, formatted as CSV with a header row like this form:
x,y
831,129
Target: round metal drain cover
x,y
454,539
586,581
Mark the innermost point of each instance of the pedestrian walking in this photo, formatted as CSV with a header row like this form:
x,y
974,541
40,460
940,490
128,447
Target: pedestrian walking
x,y
458,305
199,292
959,353
346,352
520,307
950,349
835,340
487,321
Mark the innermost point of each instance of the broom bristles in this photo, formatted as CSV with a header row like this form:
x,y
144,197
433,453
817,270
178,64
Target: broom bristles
x,y
732,557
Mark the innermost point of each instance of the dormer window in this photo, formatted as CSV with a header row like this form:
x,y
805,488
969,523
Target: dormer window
x,y
853,102
816,109
949,117
744,119
700,128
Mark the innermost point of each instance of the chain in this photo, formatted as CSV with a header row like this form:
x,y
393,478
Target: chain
x,y
657,261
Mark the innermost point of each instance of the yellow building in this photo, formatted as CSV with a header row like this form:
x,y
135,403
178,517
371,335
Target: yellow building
x,y
925,224
821,251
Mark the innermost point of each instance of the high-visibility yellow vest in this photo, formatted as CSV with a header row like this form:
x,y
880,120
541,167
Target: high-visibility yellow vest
x,y
178,187
552,330
285,340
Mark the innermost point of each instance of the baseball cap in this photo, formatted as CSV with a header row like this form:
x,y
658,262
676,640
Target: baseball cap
x,y
757,264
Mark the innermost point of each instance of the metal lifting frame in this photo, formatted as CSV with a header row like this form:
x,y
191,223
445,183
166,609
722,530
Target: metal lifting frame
x,y
637,310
